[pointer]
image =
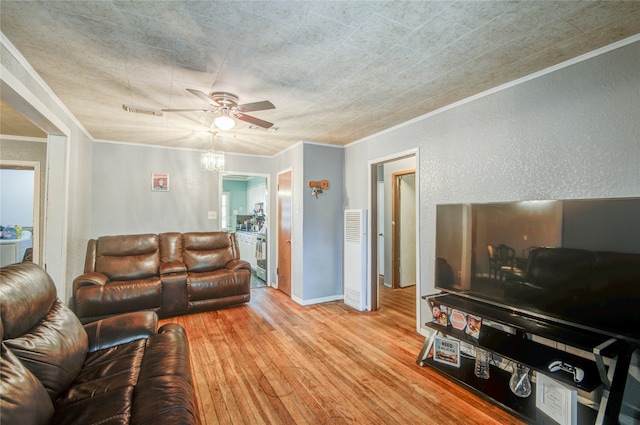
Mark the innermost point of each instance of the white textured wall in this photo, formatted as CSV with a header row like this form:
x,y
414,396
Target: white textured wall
x,y
123,202
572,133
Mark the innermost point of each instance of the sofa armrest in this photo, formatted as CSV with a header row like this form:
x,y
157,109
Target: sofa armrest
x,y
89,279
172,267
238,265
121,329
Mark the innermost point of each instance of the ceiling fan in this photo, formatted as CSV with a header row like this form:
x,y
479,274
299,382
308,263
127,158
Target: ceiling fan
x,y
226,106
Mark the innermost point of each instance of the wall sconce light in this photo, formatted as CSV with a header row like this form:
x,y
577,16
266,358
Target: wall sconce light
x,y
318,187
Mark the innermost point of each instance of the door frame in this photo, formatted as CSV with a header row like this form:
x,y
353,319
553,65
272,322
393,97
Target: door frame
x,y
54,234
270,257
372,251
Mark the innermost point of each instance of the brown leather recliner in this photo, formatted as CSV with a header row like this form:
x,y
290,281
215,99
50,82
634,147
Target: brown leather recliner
x,y
120,370
170,274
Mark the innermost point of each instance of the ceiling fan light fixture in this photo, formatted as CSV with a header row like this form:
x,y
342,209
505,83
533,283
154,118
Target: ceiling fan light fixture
x,y
224,121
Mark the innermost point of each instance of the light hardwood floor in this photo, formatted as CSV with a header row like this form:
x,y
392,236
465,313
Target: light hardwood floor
x,y
272,361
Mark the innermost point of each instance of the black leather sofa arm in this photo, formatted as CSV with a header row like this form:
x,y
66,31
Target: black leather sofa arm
x,y
121,329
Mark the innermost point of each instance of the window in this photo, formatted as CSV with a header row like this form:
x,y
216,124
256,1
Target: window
x,y
224,211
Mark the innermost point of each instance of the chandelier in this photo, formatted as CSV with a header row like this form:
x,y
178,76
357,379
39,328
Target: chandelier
x,y
212,160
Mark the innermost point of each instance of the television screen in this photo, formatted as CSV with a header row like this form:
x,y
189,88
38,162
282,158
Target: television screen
x,y
574,261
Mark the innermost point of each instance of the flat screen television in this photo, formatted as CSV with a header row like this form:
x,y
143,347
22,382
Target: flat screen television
x,y
572,261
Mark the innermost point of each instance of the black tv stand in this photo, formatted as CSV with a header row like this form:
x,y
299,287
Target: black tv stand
x,y
513,339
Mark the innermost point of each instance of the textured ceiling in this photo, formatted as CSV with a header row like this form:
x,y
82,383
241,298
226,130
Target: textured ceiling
x,y
337,71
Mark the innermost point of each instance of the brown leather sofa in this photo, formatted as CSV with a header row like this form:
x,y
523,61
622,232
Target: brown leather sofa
x,y
170,274
121,370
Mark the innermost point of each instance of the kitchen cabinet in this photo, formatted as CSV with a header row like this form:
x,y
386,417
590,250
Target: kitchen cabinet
x,y
247,246
256,195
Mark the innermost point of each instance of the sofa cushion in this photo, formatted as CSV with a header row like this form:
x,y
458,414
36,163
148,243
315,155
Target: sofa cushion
x,y
21,310
53,344
144,382
105,371
128,257
207,251
54,349
216,285
24,399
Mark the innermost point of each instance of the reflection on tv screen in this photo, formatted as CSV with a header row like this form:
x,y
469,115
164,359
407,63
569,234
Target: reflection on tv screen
x,y
571,260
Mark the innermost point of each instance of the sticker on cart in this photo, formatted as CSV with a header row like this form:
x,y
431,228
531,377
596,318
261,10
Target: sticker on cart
x,y
458,319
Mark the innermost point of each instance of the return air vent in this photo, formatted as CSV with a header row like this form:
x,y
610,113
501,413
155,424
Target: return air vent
x,y
355,258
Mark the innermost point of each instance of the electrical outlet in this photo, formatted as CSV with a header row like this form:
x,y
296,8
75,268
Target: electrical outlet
x,y
212,215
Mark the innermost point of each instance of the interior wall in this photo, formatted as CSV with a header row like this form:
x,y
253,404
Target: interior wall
x,y
54,118
125,204
571,133
292,160
323,227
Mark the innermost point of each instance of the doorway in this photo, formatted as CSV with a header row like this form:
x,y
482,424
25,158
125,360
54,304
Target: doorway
x,y
20,205
394,195
244,210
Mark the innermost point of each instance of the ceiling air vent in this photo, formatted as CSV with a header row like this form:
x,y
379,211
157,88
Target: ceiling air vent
x,y
139,110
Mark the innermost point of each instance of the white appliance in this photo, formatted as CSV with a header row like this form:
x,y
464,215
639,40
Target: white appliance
x,y
261,257
355,258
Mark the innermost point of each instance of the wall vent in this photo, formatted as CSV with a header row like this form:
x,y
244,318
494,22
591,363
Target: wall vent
x,y
355,259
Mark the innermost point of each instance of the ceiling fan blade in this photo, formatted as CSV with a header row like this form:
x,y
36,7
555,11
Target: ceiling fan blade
x,y
253,120
188,110
256,106
202,96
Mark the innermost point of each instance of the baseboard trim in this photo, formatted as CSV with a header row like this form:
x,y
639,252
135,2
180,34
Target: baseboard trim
x,y
317,300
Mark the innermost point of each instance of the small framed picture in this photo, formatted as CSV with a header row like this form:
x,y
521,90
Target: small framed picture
x,y
556,400
474,323
447,351
159,182
439,313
